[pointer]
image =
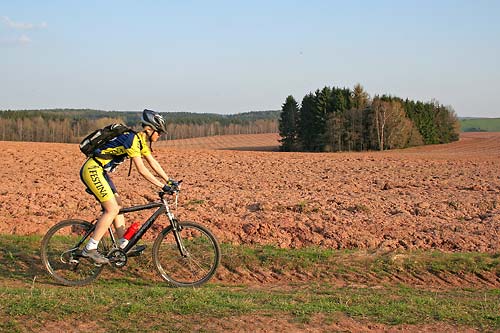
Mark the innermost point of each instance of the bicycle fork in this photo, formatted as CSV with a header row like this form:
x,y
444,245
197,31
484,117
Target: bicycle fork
x,y
176,228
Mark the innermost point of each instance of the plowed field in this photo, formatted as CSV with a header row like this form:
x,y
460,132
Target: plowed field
x,y
443,197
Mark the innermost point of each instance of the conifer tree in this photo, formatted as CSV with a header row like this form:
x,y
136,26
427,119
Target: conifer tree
x,y
288,124
307,134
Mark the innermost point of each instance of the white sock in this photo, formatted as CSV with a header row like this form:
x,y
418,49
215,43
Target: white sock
x,y
92,244
122,242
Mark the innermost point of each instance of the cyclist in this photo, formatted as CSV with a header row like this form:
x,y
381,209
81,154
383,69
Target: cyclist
x,y
95,175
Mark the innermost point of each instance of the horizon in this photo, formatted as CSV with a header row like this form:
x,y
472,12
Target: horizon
x,y
228,58
139,111
201,113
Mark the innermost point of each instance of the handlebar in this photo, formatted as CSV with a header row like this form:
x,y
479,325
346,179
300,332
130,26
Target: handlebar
x,y
174,189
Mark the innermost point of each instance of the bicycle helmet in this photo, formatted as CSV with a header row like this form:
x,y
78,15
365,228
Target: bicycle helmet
x,y
155,120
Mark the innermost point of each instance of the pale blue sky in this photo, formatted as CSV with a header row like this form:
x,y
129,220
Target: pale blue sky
x,y
236,56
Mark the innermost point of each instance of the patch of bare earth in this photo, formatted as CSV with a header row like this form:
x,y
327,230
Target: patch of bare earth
x,y
250,142
258,323
317,323
437,197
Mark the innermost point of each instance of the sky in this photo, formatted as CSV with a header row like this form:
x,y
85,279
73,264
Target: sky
x,y
229,57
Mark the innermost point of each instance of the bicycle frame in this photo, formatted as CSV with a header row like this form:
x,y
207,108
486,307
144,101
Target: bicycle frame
x,y
162,206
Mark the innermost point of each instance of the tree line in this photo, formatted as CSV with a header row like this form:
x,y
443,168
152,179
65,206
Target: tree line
x,y
341,119
71,125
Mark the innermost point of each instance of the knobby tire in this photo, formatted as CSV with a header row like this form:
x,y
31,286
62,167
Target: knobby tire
x,y
200,263
62,260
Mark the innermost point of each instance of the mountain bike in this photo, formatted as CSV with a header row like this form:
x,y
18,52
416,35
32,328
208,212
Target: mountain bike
x,y
185,254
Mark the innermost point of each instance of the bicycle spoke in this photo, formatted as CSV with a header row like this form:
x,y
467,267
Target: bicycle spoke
x,y
62,259
201,259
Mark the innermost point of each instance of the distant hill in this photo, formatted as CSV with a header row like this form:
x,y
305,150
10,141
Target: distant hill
x,y
70,125
133,117
480,124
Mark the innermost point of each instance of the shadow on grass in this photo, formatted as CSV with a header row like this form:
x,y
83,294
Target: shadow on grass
x,y
20,261
20,258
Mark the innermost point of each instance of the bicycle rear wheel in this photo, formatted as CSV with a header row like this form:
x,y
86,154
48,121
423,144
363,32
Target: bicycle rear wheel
x,y
61,253
199,261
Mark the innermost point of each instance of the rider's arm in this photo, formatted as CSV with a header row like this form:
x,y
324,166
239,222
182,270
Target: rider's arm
x,y
139,164
156,167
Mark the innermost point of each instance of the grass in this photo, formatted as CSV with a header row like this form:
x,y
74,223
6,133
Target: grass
x,y
346,263
133,300
110,302
480,124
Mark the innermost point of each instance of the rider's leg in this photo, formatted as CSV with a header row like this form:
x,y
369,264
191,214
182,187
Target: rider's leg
x,y
110,210
109,214
119,221
96,180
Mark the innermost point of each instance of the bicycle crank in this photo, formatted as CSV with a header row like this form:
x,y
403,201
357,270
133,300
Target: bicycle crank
x,y
117,258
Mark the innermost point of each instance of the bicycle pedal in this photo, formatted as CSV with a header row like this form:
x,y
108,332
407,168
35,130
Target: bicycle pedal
x,y
137,251
134,254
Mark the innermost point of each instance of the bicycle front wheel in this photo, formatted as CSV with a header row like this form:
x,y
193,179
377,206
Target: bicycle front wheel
x,y
61,253
191,259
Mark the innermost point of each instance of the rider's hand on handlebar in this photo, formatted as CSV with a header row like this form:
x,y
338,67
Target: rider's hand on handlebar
x,y
173,183
171,186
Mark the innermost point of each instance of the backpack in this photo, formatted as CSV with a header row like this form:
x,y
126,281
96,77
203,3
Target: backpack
x,y
101,136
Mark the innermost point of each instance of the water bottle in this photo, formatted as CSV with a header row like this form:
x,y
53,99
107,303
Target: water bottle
x,y
129,234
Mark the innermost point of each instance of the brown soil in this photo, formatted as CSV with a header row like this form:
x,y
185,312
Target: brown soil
x,y
266,323
435,197
249,142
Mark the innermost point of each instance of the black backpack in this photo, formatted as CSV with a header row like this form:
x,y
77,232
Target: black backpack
x,y
101,136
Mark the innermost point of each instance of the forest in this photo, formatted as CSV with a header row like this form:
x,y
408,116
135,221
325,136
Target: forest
x,y
341,119
71,125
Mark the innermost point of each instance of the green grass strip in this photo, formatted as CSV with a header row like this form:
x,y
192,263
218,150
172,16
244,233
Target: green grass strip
x,y
29,297
110,302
